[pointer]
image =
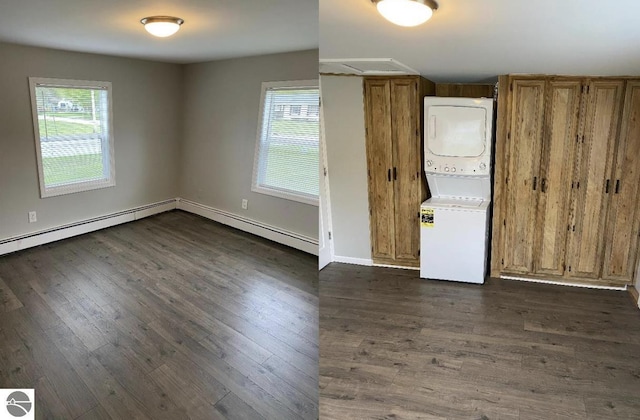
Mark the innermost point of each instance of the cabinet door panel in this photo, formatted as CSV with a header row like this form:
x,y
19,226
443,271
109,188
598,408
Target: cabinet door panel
x,y
622,221
525,147
600,132
562,107
379,162
406,167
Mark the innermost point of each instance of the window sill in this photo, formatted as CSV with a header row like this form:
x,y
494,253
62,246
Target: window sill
x,y
305,199
76,188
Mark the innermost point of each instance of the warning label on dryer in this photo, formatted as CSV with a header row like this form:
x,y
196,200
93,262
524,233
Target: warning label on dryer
x,y
426,218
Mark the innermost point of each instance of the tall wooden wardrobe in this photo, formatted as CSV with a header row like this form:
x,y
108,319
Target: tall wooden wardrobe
x,y
397,187
567,171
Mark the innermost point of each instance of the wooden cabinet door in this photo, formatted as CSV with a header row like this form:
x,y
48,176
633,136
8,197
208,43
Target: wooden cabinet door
x,y
562,108
406,168
622,221
524,149
603,105
380,163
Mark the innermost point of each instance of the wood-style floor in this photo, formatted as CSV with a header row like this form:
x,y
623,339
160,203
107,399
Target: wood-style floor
x,y
169,317
393,346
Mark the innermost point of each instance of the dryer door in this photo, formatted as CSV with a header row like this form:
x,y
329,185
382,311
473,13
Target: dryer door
x,y
457,131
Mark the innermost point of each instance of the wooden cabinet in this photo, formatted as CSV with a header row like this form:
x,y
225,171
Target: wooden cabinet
x,y
623,218
564,147
379,166
544,119
521,199
602,115
560,132
465,90
393,126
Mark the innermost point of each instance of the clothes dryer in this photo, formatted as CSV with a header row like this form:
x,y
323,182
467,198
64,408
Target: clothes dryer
x,y
454,222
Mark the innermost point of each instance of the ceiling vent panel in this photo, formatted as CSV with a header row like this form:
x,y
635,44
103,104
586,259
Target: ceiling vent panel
x,y
365,67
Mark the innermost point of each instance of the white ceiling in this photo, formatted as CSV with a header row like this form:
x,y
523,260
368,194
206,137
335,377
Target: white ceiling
x,y
476,40
213,29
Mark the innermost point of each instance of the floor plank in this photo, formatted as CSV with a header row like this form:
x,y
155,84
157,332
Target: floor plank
x,y
8,301
234,408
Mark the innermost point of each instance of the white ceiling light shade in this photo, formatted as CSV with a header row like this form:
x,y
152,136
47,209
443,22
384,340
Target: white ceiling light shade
x,y
162,26
406,12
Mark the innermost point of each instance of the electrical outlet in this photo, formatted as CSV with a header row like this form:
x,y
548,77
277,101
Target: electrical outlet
x,y
32,217
245,203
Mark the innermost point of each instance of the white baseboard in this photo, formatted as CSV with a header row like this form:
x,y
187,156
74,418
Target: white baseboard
x,y
585,285
350,260
273,233
368,262
402,267
18,243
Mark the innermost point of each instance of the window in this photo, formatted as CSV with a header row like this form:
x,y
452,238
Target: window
x,y
73,133
287,149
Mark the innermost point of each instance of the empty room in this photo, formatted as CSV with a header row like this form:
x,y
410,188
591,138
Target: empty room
x,y
479,213
159,209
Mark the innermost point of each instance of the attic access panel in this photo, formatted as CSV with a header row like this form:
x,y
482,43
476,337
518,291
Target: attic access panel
x,y
365,67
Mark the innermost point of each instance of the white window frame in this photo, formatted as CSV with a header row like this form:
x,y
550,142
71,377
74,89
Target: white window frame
x,y
107,140
255,187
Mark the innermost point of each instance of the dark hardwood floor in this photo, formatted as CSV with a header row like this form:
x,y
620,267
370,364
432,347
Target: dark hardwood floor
x,y
393,346
169,317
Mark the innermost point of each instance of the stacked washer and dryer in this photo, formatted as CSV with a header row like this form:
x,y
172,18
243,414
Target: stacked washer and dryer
x,y
454,222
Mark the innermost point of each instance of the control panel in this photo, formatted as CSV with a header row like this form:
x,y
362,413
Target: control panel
x,y
457,166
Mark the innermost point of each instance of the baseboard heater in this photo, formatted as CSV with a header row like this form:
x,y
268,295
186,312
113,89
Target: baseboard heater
x,y
69,230
273,233
29,240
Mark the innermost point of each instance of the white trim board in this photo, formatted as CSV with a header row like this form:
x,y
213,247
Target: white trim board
x,y
584,285
369,263
276,234
402,267
30,240
354,261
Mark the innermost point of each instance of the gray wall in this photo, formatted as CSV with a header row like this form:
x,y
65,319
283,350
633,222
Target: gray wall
x,y
343,108
147,102
221,107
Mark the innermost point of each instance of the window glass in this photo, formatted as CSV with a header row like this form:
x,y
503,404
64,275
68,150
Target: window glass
x,y
72,125
287,149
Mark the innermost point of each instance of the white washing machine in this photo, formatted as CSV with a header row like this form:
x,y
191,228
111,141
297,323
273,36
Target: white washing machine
x,y
453,239
454,222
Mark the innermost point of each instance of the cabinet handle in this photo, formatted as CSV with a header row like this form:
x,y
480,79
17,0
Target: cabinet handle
x,y
535,182
389,175
543,185
395,173
617,186
606,188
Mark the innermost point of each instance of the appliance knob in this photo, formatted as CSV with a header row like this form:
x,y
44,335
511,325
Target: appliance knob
x,y
453,169
429,162
446,169
483,166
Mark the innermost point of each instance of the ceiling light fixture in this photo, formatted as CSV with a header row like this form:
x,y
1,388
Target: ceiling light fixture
x,y
406,12
162,26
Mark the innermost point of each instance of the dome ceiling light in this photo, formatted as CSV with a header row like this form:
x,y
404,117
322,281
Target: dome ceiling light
x,y
162,26
406,12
